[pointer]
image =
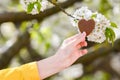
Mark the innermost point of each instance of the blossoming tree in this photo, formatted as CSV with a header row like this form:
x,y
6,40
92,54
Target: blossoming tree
x,y
37,33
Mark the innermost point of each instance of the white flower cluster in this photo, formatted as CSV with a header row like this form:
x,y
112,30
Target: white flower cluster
x,y
101,23
43,3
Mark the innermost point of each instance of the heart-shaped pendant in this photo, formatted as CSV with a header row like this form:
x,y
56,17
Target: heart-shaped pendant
x,y
86,26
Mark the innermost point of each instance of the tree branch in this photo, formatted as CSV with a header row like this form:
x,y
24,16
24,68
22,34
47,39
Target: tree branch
x,y
35,56
98,51
57,5
21,16
8,52
18,17
22,40
102,64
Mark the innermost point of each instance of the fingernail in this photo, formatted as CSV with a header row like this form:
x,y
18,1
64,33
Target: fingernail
x,y
84,33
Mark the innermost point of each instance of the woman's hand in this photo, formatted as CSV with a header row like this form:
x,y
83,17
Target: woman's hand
x,y
70,51
67,54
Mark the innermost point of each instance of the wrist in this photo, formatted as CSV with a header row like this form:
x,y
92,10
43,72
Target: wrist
x,y
62,59
58,63
49,66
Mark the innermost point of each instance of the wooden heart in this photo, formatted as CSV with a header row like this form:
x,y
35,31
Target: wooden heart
x,y
86,26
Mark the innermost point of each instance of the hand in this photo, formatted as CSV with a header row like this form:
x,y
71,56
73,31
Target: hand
x,y
68,53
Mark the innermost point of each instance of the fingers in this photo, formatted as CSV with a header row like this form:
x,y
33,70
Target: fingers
x,y
80,39
79,53
81,44
82,52
73,37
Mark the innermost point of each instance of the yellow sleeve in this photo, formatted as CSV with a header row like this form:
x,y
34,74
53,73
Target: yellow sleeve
x,y
26,72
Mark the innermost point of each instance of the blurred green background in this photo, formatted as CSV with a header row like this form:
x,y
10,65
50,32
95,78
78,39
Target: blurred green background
x,y
25,38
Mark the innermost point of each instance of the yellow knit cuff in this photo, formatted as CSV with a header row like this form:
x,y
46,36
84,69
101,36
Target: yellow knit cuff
x,y
30,71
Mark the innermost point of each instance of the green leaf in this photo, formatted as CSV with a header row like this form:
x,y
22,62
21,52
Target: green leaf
x,y
36,26
38,5
39,0
93,16
113,25
23,26
75,20
110,35
47,45
30,7
54,1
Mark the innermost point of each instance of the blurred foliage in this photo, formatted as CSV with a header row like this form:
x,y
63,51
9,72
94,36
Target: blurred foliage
x,y
47,36
100,75
104,7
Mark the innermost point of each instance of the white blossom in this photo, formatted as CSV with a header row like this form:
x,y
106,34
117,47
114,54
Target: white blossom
x,y
98,34
44,4
25,3
101,23
82,13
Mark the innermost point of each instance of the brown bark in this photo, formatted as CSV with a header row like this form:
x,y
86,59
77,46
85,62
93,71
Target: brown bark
x,y
22,40
98,51
8,52
18,17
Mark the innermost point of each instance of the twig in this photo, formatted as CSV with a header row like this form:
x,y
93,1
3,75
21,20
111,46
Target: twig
x,y
57,5
13,16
